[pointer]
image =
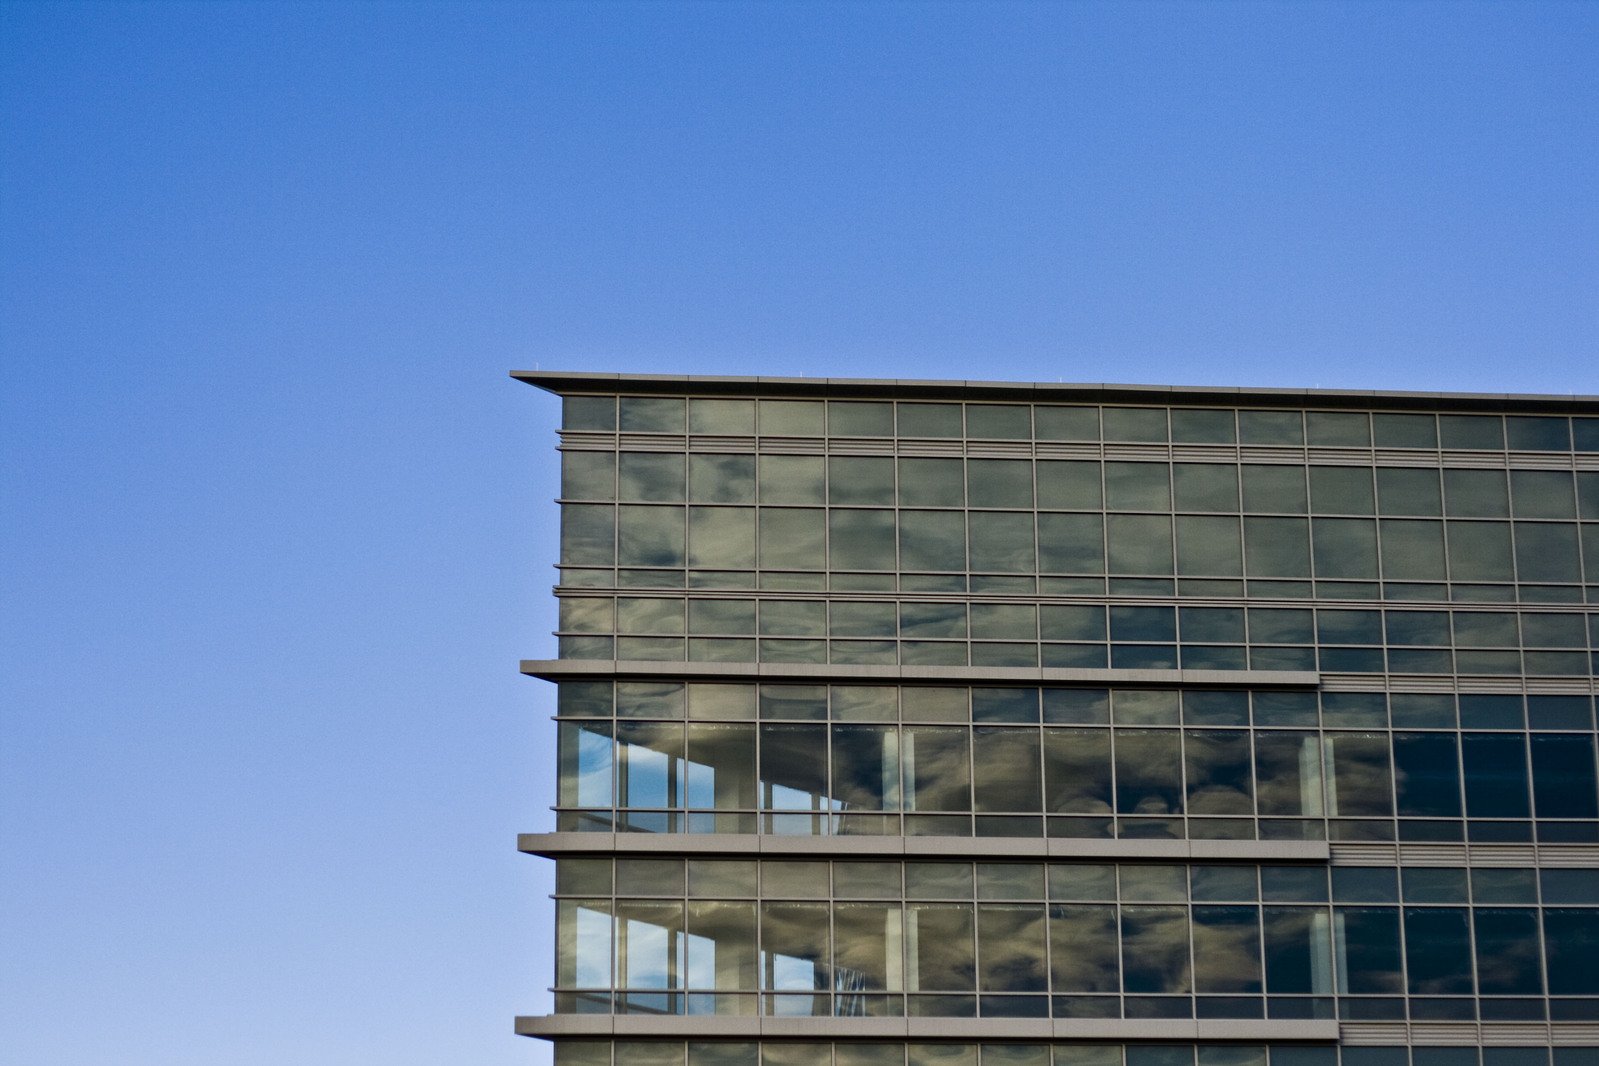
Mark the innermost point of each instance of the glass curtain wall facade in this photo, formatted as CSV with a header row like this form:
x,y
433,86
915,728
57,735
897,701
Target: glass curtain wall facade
x,y
914,722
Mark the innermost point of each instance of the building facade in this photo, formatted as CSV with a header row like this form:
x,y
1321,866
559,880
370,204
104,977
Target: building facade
x,y
964,723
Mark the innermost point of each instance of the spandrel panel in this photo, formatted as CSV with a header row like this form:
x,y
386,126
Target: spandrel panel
x,y
1227,950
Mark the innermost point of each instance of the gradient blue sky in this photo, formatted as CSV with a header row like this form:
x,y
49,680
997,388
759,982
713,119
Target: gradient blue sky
x,y
276,525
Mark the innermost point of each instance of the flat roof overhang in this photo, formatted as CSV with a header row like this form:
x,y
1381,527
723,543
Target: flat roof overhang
x,y
566,382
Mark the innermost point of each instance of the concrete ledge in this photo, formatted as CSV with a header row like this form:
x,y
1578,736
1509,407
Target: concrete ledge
x,y
554,845
552,1026
563,669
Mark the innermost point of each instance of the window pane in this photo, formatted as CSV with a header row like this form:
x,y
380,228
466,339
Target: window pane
x,y
1476,493
1496,775
791,538
1155,949
1542,494
1140,544
1219,772
1507,952
1010,948
1274,489
721,537
1437,951
1341,489
1402,490
1345,547
1083,949
861,540
1007,765
721,478
1412,550
1067,486
937,768
1148,773
1546,551
1563,781
999,482
1137,487
1077,771
721,416
1360,776
1369,950
1227,950
1480,551
1209,546
1205,486
1427,774
791,479
939,950
1276,547
932,540
1071,544
1002,542
860,479
649,536
932,483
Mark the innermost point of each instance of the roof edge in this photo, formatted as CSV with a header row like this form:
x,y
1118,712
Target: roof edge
x,y
562,383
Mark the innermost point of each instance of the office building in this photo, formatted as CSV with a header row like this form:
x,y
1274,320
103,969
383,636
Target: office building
x,y
982,724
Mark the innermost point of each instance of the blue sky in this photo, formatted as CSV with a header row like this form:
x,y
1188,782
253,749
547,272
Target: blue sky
x,y
277,526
